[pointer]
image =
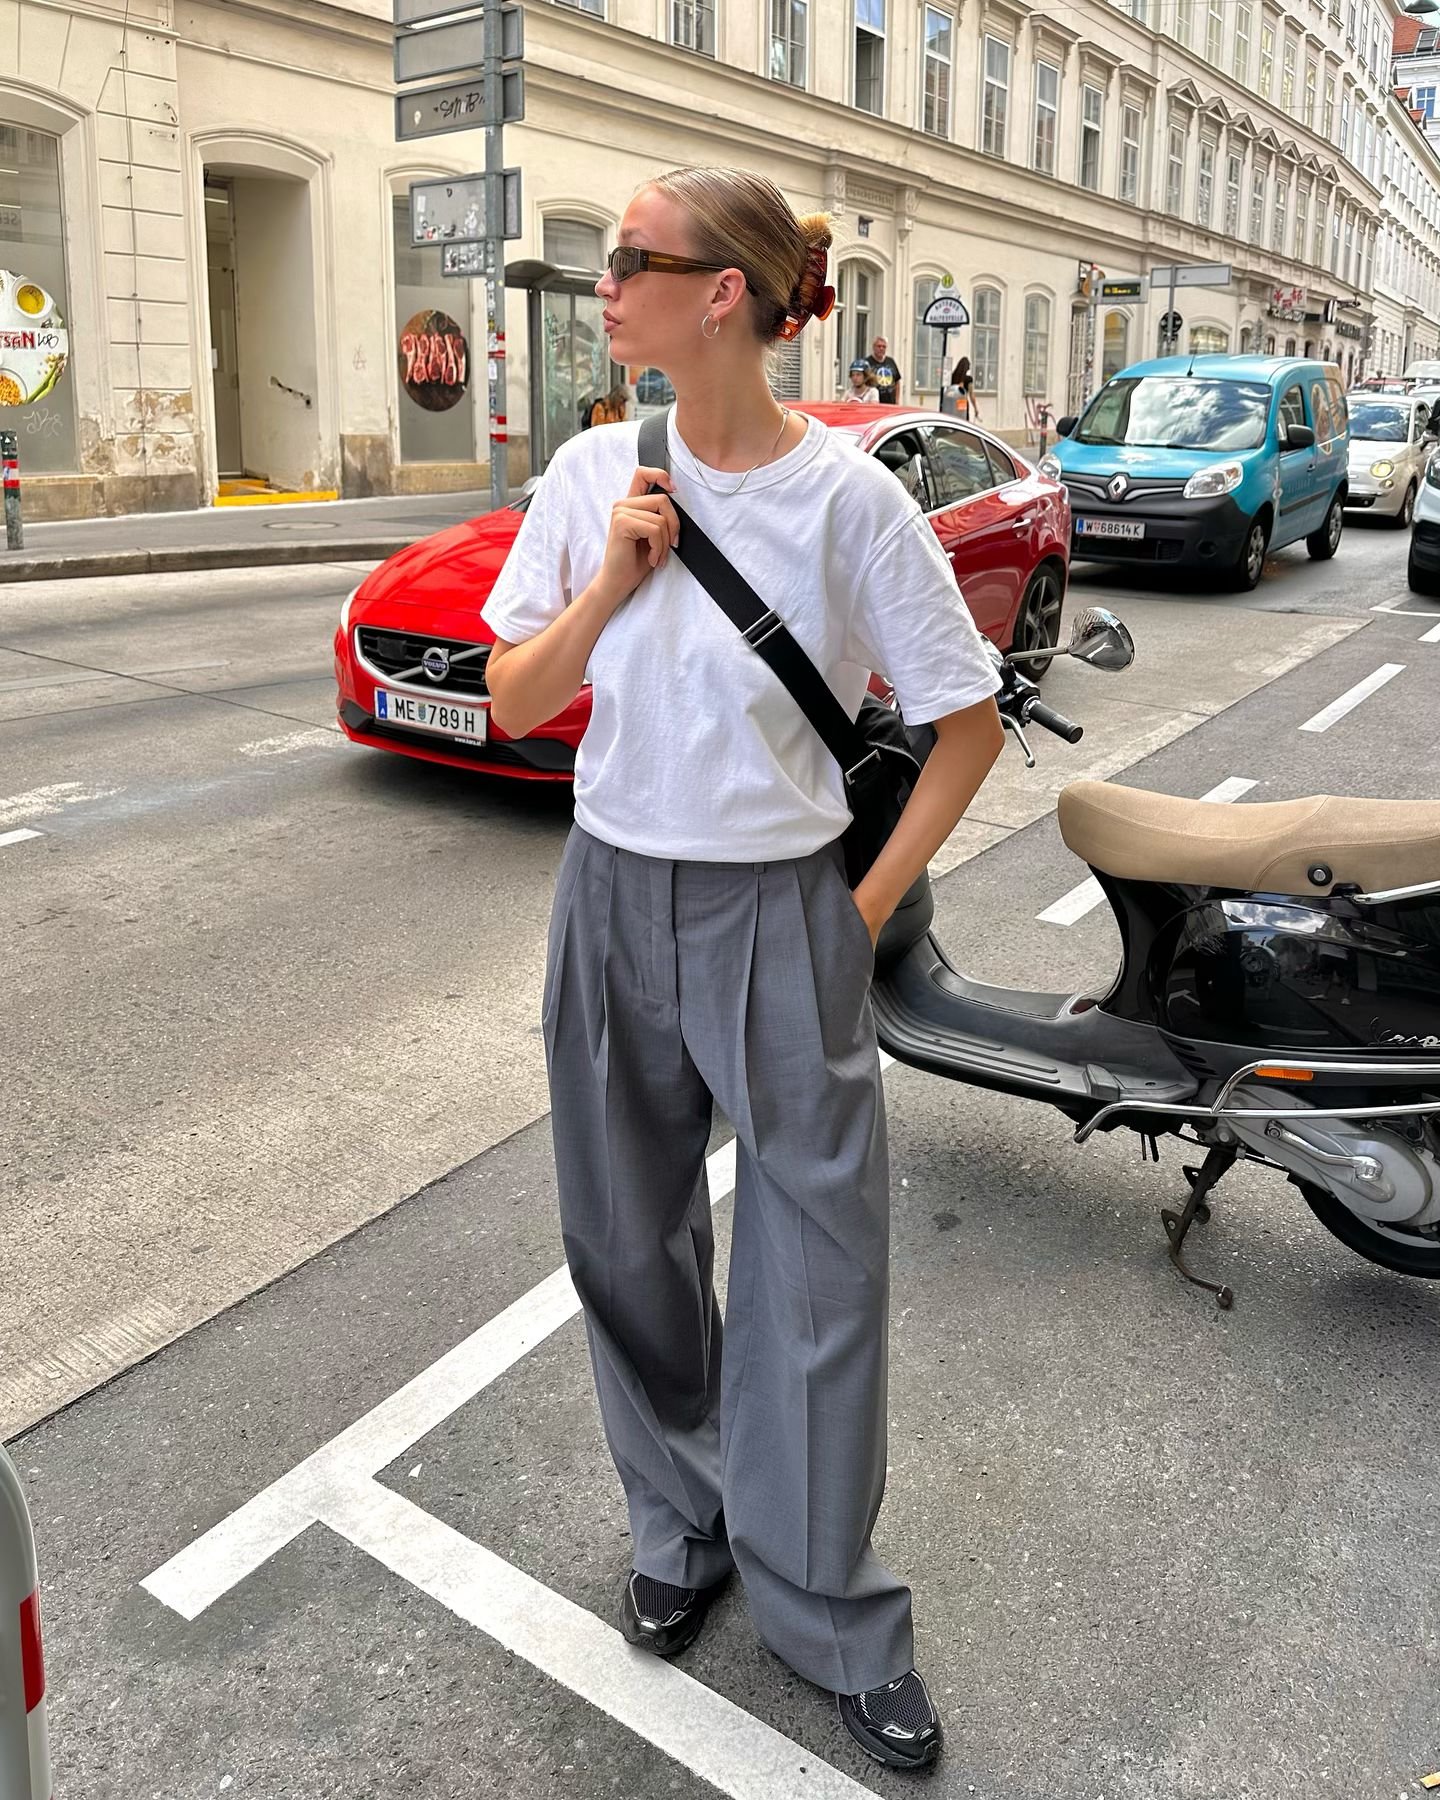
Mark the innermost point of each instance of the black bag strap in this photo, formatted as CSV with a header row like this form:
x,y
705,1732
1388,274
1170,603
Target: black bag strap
x,y
764,630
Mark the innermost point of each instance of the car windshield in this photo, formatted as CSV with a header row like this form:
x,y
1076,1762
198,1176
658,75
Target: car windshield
x,y
1383,421
1169,412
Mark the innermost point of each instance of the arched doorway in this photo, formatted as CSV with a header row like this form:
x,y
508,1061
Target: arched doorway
x,y
860,316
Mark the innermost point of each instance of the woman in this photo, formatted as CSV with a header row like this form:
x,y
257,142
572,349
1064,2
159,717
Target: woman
x,y
863,386
963,383
610,409
706,949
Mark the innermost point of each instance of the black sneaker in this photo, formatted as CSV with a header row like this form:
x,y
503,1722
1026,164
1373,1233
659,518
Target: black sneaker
x,y
663,1619
896,1724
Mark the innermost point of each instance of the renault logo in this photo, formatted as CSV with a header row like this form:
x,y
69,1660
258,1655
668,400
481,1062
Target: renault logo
x,y
436,662
1118,487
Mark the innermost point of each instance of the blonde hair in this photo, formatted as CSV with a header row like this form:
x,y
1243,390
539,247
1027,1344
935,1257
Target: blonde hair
x,y
741,220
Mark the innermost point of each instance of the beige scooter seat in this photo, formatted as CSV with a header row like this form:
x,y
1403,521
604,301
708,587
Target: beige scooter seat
x,y
1267,848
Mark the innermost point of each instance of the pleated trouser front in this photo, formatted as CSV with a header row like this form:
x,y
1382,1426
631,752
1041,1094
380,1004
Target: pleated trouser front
x,y
667,984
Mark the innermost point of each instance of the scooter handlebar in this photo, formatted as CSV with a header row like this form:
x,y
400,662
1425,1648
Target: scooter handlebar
x,y
1038,713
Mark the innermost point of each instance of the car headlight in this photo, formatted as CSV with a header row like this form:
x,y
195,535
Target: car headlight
x,y
345,609
1209,484
1049,467
1432,472
1381,469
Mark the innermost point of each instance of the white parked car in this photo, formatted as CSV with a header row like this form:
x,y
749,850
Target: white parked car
x,y
1391,438
1424,569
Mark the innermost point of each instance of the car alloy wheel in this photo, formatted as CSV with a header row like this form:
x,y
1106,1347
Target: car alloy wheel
x,y
1335,524
1038,625
1407,509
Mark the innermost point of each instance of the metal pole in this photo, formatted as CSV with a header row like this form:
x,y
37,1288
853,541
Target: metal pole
x,y
10,457
24,1745
944,362
495,260
1171,335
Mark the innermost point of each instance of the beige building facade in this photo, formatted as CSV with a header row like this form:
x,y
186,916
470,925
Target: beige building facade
x,y
214,196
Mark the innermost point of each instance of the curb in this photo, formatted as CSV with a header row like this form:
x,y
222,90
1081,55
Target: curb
x,y
198,556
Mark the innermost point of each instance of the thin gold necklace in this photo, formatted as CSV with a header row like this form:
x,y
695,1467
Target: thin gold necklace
x,y
700,473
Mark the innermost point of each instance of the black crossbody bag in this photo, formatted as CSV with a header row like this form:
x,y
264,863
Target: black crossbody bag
x,y
879,766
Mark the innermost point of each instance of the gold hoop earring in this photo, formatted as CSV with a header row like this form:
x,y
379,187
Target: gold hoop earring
x,y
708,320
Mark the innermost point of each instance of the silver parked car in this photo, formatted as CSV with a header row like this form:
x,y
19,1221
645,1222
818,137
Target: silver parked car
x,y
1391,437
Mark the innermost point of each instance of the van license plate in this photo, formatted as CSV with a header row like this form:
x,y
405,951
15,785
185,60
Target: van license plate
x,y
1111,528
432,715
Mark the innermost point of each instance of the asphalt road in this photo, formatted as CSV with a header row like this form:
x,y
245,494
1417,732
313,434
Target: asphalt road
x,y
265,987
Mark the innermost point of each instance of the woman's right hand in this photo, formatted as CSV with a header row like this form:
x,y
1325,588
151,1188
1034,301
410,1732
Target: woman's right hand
x,y
643,532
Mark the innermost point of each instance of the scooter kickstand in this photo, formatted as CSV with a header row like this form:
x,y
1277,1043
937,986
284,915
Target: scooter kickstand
x,y
1218,1160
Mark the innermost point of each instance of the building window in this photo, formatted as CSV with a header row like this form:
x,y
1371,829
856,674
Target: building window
x,y
1302,209
870,55
1115,345
1349,248
1214,33
1312,78
1208,340
32,245
692,25
1352,17
1327,118
1345,124
1280,218
859,309
1267,61
939,33
1423,99
1287,79
1037,344
930,369
1047,117
1132,126
1240,61
1184,21
1234,175
985,340
1205,186
1175,171
995,102
1257,208
1335,242
789,32
423,299
1092,115
1317,247
590,6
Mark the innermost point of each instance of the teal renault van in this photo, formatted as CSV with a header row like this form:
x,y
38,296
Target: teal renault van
x,y
1207,462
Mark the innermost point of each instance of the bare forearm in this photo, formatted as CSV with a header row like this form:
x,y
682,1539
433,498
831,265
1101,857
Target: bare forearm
x,y
532,682
966,747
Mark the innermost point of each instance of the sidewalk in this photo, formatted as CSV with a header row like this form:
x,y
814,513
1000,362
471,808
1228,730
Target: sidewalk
x,y
224,537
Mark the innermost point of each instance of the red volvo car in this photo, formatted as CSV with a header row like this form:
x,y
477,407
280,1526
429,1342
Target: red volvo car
x,y
411,649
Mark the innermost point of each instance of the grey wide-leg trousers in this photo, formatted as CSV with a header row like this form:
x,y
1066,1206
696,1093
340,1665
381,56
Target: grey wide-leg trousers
x,y
669,983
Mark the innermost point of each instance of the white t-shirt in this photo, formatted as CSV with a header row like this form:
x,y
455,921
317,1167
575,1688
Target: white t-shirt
x,y
695,751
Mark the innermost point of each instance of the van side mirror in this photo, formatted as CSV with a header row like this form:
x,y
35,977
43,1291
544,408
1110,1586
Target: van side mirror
x,y
1064,427
1299,437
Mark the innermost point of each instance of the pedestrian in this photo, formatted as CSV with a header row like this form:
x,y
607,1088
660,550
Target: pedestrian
x,y
964,385
611,408
863,386
886,371
706,947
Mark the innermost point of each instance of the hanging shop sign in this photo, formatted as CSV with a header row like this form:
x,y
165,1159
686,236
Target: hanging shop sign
x,y
434,361
1287,303
1344,329
34,344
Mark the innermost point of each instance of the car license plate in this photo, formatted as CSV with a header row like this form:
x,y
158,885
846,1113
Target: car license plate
x,y
444,716
1111,528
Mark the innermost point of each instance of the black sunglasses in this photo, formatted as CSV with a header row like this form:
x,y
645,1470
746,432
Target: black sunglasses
x,y
626,260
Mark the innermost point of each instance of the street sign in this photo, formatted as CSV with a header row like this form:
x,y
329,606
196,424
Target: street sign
x,y
417,12
946,312
1192,275
457,106
1170,325
466,208
1124,293
452,49
467,261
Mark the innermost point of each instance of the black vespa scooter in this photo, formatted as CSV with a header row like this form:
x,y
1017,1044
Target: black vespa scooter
x,y
1278,998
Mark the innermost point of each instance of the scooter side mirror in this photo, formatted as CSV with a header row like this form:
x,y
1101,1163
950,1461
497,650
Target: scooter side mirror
x,y
1099,637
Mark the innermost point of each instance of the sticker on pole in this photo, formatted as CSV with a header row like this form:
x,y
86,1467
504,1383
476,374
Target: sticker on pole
x,y
434,361
34,344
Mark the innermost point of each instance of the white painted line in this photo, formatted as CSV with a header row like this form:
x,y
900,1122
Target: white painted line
x,y
318,737
36,802
1398,610
1352,697
712,1737
1088,895
17,837
1432,636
